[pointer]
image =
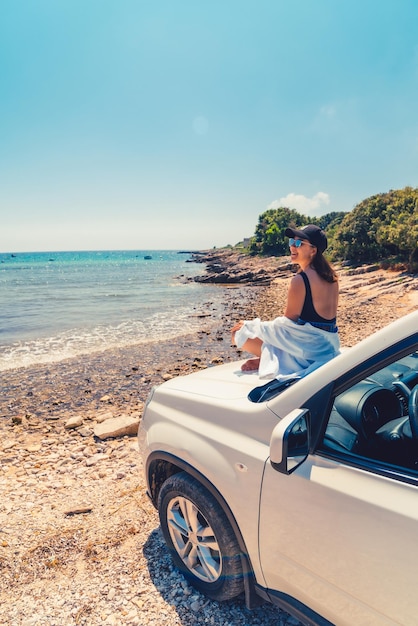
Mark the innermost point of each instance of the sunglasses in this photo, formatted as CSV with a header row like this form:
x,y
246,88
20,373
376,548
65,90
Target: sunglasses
x,y
297,242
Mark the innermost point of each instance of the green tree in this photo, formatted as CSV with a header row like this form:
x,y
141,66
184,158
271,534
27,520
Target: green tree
x,y
383,226
380,227
269,238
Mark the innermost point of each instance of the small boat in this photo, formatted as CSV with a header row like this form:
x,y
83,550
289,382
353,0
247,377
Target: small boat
x,y
147,257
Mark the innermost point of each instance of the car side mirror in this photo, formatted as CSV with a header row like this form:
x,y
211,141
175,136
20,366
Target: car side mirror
x,y
289,444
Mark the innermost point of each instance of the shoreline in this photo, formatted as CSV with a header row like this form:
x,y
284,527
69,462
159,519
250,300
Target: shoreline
x,y
124,375
370,299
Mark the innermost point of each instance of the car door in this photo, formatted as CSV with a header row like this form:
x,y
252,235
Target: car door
x,y
339,533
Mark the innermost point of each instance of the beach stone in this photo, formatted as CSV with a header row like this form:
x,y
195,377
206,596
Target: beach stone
x,y
101,417
117,427
7,445
84,432
78,509
95,459
74,422
33,448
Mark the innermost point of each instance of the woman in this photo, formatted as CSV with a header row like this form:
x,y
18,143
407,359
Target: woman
x,y
307,335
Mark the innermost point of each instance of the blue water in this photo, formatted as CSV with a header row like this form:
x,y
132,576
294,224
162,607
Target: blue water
x,y
55,305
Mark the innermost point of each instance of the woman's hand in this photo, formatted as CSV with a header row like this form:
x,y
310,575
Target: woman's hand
x,y
235,328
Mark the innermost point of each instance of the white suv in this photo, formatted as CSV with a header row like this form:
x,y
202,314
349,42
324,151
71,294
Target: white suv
x,y
303,494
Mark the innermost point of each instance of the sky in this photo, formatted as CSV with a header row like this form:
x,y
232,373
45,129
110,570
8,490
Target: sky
x,y
163,124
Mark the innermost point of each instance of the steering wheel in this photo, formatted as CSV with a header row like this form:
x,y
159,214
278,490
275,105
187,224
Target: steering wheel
x,y
413,411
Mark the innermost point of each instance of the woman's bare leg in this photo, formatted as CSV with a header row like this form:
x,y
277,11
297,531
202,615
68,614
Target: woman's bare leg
x,y
253,346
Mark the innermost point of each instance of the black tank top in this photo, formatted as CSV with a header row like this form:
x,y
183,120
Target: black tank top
x,y
308,312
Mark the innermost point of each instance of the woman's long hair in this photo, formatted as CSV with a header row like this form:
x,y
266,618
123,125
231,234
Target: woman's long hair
x,y
324,268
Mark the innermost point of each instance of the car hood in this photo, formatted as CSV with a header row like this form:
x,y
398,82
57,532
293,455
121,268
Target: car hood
x,y
226,382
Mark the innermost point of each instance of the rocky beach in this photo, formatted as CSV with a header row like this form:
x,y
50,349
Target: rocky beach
x,y
79,541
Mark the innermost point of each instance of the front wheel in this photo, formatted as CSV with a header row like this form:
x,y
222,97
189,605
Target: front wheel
x,y
200,538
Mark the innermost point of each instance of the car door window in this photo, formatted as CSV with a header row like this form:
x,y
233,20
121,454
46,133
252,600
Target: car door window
x,y
375,417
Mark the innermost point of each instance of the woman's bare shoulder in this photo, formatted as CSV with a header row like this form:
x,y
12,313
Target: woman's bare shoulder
x,y
297,279
296,283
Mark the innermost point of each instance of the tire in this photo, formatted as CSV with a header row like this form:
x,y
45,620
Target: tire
x,y
201,541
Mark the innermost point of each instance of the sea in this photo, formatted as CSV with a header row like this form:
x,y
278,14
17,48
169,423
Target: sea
x,y
57,305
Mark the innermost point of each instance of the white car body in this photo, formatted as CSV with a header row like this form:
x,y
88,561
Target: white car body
x,y
331,538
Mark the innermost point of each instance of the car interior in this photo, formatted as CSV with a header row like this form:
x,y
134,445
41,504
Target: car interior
x,y
377,417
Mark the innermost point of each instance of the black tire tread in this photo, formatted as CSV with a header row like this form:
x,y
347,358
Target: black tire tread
x,y
230,584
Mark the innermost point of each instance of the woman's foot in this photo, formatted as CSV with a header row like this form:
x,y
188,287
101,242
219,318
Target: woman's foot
x,y
251,365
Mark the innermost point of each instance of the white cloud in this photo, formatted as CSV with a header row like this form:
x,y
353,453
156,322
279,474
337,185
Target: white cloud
x,y
302,203
328,118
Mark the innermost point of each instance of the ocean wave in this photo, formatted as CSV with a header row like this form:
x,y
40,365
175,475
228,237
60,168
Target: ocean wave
x,y
78,342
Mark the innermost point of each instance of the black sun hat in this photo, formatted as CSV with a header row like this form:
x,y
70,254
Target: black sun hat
x,y
311,233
